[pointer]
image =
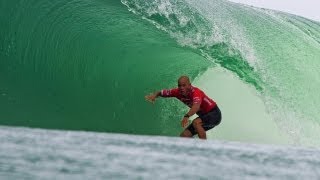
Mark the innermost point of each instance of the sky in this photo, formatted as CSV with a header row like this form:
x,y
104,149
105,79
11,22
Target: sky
x,y
306,8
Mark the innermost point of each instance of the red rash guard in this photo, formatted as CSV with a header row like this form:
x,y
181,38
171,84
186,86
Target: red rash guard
x,y
196,96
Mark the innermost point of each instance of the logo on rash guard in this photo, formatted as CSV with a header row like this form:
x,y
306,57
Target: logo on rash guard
x,y
208,101
196,100
166,92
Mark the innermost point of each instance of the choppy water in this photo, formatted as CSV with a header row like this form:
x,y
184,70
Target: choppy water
x,y
46,154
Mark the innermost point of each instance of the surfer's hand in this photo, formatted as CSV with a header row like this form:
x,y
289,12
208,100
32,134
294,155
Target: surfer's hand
x,y
184,122
151,98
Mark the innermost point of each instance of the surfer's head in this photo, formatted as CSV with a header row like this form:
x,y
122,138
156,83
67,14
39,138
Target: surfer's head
x,y
184,85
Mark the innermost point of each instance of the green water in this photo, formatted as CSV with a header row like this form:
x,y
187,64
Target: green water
x,y
86,65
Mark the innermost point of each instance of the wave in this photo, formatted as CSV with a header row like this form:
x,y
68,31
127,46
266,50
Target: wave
x,y
87,65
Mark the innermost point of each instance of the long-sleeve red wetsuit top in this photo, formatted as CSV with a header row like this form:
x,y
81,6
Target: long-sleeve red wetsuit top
x,y
196,96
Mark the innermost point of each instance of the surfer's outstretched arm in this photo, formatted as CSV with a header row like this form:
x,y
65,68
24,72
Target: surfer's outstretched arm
x,y
152,97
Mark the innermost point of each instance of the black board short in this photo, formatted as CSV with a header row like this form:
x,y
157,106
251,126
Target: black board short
x,y
209,120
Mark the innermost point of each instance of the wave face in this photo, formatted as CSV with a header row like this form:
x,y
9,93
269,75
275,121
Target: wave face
x,y
87,65
84,65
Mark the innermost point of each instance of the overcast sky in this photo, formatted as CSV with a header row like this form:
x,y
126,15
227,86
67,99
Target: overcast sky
x,y
306,8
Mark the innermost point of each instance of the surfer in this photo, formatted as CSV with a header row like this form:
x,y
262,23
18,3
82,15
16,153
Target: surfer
x,y
208,112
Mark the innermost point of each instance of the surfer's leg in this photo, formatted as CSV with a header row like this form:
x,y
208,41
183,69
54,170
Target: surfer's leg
x,y
197,124
190,131
186,133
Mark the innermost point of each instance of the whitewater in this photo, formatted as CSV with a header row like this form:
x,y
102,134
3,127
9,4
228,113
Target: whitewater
x,y
48,154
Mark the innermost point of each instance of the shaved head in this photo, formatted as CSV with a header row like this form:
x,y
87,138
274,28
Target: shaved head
x,y
184,79
184,85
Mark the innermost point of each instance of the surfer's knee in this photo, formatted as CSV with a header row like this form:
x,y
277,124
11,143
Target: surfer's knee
x,y
186,133
197,122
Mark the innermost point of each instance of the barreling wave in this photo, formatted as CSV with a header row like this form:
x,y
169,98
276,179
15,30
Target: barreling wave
x,y
275,52
87,65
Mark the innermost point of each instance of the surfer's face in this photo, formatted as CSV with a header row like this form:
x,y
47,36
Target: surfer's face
x,y
184,87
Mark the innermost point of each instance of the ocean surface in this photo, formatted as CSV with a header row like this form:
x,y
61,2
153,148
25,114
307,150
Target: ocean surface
x,y
48,154
73,76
